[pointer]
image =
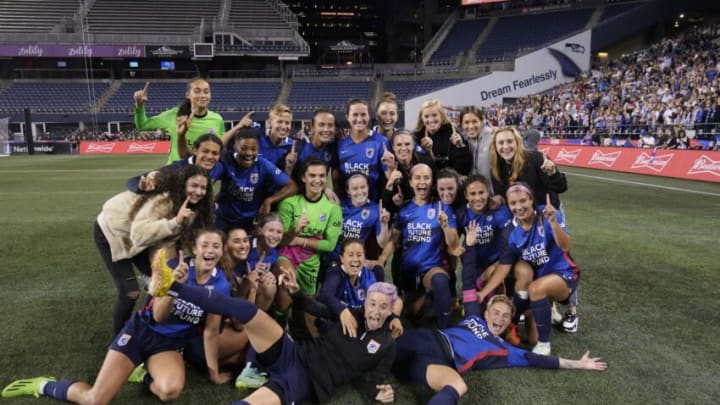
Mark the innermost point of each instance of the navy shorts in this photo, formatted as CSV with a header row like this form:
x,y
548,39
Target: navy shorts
x,y
416,350
288,377
138,341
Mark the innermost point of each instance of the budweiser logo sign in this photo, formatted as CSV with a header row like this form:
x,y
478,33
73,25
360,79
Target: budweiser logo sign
x,y
141,147
567,156
101,147
652,161
705,165
605,159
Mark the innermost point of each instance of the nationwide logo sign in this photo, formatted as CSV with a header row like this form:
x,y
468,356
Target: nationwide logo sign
x,y
147,147
605,159
652,162
101,147
705,165
567,156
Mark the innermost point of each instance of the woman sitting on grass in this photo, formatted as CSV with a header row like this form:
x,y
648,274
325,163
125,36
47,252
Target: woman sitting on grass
x,y
155,335
436,358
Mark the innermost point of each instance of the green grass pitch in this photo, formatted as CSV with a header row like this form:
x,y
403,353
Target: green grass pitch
x,y
648,249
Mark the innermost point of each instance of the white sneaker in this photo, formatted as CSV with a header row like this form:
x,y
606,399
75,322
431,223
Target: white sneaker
x,y
542,348
570,322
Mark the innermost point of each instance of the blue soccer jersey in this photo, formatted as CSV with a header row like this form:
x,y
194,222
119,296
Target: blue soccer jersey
x,y
423,240
474,347
186,318
306,150
271,256
363,157
274,153
358,222
244,190
538,248
338,292
489,241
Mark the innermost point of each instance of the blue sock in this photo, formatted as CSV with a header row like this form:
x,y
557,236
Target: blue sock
x,y
215,303
57,390
543,318
521,305
147,380
446,396
442,302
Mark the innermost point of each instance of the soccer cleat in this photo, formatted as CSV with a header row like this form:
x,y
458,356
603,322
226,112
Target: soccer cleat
x,y
557,318
162,277
138,374
250,378
26,387
511,335
542,348
570,322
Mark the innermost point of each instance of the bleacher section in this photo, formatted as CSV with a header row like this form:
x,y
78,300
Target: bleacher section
x,y
405,89
32,16
157,17
50,97
460,38
612,10
226,96
308,96
518,33
255,14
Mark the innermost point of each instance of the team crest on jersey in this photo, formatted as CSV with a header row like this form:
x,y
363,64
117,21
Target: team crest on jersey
x,y
541,231
253,178
365,213
361,294
124,339
322,217
431,213
369,153
277,172
488,218
328,156
373,346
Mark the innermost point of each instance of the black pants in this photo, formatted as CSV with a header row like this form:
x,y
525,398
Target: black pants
x,y
123,276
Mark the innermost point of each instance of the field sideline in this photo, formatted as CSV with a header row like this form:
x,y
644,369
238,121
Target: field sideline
x,y
648,249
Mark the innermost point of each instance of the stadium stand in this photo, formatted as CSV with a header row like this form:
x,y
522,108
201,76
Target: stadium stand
x,y
459,39
51,97
331,95
405,89
612,10
30,16
149,16
519,33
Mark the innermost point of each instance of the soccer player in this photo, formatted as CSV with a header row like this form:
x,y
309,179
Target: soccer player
x,y
155,335
276,145
437,136
362,218
306,368
397,190
510,163
483,238
537,248
321,146
246,181
197,101
363,151
131,224
426,229
312,226
437,358
386,115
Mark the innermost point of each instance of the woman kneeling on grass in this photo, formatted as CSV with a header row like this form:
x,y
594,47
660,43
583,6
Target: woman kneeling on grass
x,y
155,335
436,358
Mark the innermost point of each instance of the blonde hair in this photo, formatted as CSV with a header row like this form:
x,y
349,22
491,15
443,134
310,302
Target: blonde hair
x,y
444,119
387,97
278,109
521,154
502,299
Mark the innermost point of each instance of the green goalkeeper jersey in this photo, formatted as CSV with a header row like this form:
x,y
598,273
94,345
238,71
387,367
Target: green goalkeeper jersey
x,y
325,225
211,122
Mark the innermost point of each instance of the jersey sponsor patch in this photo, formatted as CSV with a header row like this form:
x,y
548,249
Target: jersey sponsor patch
x,y
373,346
124,339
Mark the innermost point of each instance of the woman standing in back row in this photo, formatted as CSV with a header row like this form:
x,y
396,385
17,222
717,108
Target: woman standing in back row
x,y
197,100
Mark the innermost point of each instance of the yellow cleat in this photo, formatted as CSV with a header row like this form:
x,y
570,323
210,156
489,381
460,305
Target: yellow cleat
x,y
162,275
26,387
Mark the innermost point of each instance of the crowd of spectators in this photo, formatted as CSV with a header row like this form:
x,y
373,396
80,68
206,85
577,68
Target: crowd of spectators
x,y
657,91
